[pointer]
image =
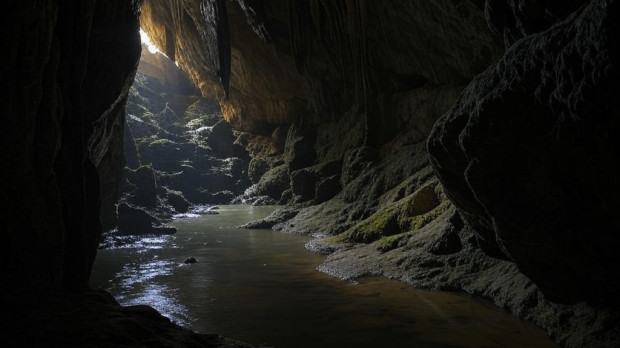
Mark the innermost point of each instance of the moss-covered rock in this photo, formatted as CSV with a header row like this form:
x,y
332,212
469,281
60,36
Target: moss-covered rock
x,y
408,214
257,168
177,201
274,182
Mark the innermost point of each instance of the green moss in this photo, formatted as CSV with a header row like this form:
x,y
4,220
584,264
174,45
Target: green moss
x,y
143,141
384,222
420,221
161,142
204,121
340,238
407,215
391,242
152,141
547,317
136,109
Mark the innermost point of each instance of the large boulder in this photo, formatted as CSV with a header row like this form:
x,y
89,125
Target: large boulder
x,y
145,184
319,183
274,182
299,149
257,168
528,156
177,201
222,141
303,183
134,220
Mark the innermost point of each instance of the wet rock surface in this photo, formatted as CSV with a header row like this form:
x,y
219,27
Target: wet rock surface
x,y
65,81
469,269
531,170
523,156
95,319
339,99
177,158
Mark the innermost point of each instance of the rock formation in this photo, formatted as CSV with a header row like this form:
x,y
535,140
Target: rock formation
x,y
180,151
464,145
526,154
65,78
379,75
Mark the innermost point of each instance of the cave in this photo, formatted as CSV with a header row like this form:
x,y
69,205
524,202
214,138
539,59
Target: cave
x,y
451,145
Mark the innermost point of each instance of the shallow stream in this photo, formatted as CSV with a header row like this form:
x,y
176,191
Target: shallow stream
x,y
262,287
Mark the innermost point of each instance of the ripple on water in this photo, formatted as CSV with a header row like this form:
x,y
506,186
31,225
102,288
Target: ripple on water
x,y
114,240
262,286
161,297
140,283
139,273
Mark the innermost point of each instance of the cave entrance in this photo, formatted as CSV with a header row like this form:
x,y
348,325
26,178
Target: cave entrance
x,y
180,152
146,41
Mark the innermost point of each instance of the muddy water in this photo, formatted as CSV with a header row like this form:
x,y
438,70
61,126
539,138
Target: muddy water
x,y
261,286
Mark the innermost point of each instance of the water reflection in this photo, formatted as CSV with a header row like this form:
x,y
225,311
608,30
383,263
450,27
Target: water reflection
x,y
261,287
162,298
135,274
143,275
114,240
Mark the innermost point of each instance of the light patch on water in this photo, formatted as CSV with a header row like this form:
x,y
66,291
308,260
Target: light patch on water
x,y
137,284
261,286
134,274
163,299
114,240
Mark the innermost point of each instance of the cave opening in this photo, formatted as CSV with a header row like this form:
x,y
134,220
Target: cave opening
x,y
175,244
181,156
184,164
465,146
146,40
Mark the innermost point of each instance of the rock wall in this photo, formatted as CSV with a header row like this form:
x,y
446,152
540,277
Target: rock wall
x,y
342,97
66,71
212,41
180,154
527,155
67,74
523,150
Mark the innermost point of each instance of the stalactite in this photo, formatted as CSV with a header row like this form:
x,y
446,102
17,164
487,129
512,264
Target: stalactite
x,y
216,37
356,25
300,31
334,24
255,14
341,27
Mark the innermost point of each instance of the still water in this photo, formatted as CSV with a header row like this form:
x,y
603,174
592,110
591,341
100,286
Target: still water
x,y
261,286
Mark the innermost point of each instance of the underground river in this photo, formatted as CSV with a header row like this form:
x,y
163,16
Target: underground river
x,y
262,287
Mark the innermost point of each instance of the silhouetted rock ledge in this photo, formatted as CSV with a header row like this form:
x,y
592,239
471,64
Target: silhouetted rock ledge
x,y
95,319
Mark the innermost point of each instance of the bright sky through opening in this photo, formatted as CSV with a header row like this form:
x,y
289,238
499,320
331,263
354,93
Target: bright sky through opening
x,y
147,41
